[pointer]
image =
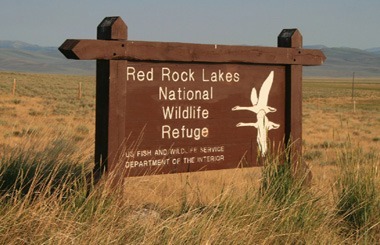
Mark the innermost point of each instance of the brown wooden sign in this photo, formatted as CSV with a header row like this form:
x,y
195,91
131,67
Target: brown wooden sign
x,y
177,107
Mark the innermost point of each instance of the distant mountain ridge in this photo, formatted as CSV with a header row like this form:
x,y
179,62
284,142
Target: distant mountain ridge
x,y
22,46
24,57
374,50
343,61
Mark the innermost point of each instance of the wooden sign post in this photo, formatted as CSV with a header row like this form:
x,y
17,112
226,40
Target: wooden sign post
x,y
175,107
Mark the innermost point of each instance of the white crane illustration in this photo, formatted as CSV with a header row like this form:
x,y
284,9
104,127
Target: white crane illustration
x,y
261,102
263,125
261,108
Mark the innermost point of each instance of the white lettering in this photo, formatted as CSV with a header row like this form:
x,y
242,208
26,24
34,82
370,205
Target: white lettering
x,y
184,112
184,94
175,76
167,132
207,159
146,163
139,75
220,76
131,72
212,149
165,73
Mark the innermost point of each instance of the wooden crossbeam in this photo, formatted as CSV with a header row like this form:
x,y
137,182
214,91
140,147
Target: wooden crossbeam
x,y
184,52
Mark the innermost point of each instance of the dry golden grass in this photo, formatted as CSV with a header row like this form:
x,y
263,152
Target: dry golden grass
x,y
46,107
216,207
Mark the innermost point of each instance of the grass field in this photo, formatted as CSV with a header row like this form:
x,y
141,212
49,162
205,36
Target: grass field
x,y
47,147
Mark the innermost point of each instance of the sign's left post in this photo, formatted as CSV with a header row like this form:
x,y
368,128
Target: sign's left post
x,y
110,104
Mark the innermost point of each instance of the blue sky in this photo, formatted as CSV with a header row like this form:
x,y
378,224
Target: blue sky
x,y
334,23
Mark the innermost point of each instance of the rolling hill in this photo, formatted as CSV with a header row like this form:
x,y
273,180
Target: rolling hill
x,y
342,62
24,57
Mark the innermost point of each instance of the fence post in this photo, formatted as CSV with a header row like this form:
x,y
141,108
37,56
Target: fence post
x,y
353,90
80,90
14,87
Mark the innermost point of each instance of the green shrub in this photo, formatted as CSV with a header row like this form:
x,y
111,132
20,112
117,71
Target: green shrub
x,y
29,173
278,182
357,191
312,155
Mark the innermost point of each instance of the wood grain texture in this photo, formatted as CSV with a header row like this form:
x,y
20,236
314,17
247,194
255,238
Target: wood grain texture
x,y
110,89
185,52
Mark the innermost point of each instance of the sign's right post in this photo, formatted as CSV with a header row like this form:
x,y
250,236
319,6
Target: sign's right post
x,y
292,38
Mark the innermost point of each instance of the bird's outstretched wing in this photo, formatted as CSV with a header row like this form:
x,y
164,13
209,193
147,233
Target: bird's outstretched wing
x,y
254,98
264,91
